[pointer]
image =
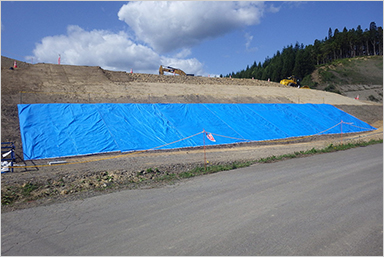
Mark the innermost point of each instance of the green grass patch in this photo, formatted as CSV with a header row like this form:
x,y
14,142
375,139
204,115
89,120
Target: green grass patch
x,y
167,177
199,170
28,188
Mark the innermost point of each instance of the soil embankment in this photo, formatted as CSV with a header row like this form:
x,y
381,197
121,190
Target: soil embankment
x,y
50,83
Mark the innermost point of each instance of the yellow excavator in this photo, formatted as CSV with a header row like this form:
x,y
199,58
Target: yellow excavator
x,y
163,69
290,81
293,82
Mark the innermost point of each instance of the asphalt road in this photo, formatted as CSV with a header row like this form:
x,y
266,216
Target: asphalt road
x,y
328,204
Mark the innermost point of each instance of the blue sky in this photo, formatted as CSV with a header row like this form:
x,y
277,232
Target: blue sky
x,y
204,38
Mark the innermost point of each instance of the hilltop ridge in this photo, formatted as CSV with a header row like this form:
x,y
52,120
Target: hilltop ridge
x,y
73,74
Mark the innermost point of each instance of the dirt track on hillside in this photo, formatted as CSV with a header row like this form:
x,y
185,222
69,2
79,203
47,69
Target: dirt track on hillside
x,y
48,83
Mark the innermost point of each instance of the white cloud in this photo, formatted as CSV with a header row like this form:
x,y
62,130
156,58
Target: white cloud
x,y
274,9
112,51
167,26
164,33
248,41
183,53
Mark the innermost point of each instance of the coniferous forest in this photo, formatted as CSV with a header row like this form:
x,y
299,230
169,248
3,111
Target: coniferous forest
x,y
300,60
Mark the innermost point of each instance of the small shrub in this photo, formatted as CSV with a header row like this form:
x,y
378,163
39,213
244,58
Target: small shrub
x,y
28,188
373,98
8,197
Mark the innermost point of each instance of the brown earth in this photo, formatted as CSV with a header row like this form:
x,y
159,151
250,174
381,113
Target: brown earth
x,y
89,175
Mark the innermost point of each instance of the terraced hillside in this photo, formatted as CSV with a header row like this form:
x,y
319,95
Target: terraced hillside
x,y
51,83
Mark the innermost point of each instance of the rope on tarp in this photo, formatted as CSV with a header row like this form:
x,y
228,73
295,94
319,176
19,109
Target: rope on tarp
x,y
182,139
107,158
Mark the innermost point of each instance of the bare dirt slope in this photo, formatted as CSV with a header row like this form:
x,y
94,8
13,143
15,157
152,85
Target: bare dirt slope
x,y
50,83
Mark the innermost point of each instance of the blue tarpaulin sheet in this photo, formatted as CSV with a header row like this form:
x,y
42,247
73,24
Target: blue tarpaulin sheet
x,y
61,130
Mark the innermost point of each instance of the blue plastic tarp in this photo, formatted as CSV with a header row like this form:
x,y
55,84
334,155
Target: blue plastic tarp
x,y
61,130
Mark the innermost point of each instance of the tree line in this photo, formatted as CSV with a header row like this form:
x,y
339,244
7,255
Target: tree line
x,y
300,60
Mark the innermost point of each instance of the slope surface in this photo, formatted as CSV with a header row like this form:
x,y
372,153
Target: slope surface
x,y
59,130
52,83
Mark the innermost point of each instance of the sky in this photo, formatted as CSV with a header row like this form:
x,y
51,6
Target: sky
x,y
205,38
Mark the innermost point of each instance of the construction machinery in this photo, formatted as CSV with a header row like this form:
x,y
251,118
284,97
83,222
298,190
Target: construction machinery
x,y
163,69
291,81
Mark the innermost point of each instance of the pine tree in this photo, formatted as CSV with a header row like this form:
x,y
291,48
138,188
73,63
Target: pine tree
x,y
380,40
373,36
329,34
359,41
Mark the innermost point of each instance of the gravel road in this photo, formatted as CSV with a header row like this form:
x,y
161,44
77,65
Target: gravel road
x,y
329,204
